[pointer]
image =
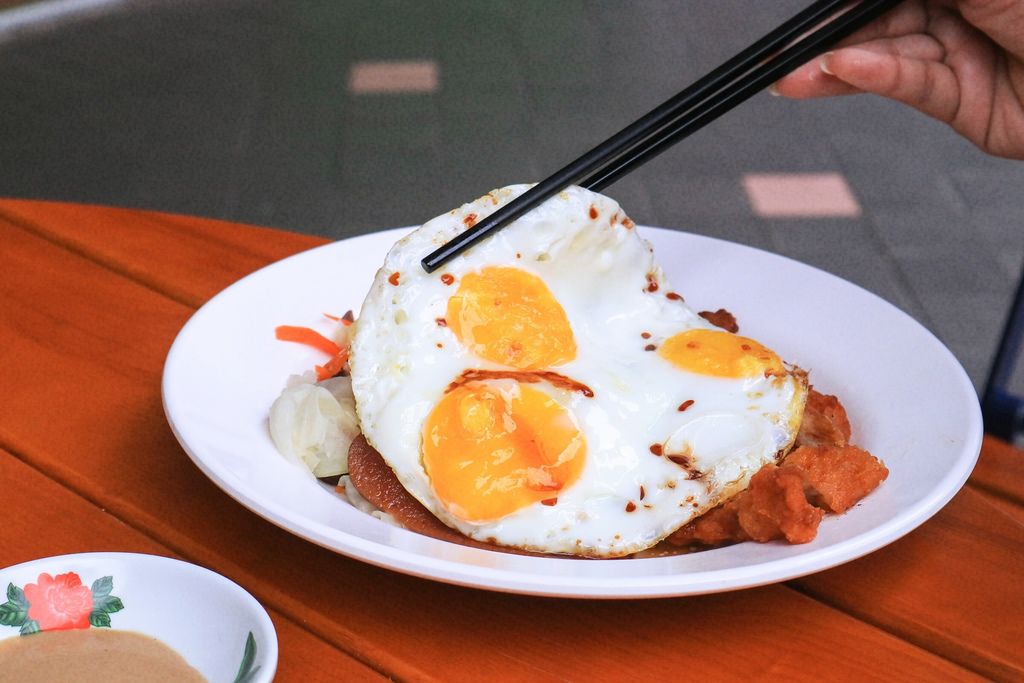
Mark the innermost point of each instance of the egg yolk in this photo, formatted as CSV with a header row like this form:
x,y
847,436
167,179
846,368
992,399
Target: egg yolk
x,y
720,354
510,317
491,449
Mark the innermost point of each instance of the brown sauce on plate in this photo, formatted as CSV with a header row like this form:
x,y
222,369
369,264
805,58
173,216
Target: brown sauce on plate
x,y
93,655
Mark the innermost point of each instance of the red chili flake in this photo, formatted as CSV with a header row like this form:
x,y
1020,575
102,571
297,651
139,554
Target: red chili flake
x,y
447,278
692,345
685,404
656,448
642,492
470,220
650,347
627,223
745,347
549,501
721,318
593,211
645,335
652,285
393,278
441,322
440,345
630,506
672,296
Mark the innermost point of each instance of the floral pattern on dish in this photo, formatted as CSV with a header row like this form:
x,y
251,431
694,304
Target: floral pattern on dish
x,y
60,602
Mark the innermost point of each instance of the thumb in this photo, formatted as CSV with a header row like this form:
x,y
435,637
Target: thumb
x,y
1000,20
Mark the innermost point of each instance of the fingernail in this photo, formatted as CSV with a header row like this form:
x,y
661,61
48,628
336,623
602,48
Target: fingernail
x,y
773,90
823,63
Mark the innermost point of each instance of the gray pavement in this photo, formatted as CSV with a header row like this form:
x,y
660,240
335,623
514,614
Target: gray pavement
x,y
242,111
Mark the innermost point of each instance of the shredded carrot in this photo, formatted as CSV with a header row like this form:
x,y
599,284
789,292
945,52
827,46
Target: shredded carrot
x,y
310,337
332,367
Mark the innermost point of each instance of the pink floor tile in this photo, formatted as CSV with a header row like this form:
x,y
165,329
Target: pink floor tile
x,y
393,77
800,194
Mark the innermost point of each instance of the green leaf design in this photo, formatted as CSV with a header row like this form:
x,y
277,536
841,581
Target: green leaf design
x,y
108,604
16,596
246,671
29,627
12,614
100,619
101,588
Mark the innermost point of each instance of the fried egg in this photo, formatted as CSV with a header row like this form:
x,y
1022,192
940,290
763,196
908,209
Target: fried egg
x,y
548,390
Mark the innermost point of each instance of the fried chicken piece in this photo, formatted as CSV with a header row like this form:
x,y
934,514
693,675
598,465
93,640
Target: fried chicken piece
x,y
836,477
774,506
721,318
717,526
824,423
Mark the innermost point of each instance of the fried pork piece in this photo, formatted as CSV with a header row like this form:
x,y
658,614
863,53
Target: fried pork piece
x,y
836,477
721,318
717,526
824,423
774,506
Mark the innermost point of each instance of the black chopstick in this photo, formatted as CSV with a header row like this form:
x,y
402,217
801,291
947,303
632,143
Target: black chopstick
x,y
706,99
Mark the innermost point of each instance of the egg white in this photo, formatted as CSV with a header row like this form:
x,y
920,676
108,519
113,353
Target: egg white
x,y
599,270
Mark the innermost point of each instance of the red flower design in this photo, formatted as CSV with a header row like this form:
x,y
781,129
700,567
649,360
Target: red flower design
x,y
59,603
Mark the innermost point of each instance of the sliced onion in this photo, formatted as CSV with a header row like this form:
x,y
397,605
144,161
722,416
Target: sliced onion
x,y
314,424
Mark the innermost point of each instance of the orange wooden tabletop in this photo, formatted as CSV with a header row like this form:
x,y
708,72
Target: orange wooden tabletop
x,y
91,299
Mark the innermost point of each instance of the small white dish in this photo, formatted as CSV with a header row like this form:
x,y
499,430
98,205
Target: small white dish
x,y
215,624
909,401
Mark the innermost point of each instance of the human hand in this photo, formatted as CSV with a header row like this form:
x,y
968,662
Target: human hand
x,y
959,61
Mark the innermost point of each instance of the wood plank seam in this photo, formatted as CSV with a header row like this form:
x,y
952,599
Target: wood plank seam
x,y
1004,506
110,265
994,492
908,637
6,447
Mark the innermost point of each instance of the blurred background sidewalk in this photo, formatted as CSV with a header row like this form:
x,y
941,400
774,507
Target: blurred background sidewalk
x,y
338,118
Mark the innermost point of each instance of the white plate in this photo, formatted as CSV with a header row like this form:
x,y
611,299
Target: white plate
x,y
209,620
908,398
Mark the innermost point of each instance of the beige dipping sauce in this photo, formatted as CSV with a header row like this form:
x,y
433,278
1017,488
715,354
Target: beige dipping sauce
x,y
92,655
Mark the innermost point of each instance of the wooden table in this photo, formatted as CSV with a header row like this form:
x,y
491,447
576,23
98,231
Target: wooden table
x,y
90,301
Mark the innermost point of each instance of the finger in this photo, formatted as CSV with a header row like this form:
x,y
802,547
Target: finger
x,y
908,18
810,80
928,86
1001,20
